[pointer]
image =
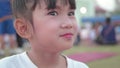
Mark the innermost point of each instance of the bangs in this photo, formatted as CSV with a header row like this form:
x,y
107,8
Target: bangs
x,y
25,7
51,4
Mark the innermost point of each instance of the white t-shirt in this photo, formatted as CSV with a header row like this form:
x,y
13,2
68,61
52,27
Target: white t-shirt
x,y
23,61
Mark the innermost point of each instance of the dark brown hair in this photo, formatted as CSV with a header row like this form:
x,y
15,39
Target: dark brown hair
x,y
108,20
24,8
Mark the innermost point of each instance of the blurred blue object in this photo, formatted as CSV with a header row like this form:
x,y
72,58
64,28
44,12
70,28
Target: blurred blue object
x,y
5,8
100,19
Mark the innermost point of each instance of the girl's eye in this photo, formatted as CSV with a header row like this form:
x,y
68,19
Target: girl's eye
x,y
53,13
71,13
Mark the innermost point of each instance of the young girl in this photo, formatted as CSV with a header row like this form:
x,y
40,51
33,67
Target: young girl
x,y
50,27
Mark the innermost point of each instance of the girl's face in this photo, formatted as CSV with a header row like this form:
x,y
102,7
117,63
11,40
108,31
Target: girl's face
x,y
55,29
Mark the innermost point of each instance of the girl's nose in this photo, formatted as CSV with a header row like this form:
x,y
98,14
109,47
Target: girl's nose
x,y
68,24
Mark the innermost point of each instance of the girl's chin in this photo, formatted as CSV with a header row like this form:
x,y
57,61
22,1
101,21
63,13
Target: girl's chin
x,y
67,47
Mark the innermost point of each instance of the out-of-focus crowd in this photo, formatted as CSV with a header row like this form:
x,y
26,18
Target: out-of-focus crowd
x,y
102,33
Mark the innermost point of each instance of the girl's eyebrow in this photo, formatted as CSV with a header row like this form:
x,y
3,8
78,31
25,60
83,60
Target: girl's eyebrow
x,y
56,7
59,8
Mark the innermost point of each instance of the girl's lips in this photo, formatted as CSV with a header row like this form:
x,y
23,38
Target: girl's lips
x,y
67,35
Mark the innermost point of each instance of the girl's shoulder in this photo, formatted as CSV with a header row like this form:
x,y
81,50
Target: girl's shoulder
x,y
11,61
75,64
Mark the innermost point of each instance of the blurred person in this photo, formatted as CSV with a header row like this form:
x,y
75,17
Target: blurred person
x,y
50,27
77,41
118,33
85,33
92,34
108,32
98,28
6,26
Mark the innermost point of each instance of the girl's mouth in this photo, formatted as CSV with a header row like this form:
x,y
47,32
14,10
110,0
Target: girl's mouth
x,y
67,35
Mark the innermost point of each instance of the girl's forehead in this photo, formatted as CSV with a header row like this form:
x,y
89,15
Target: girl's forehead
x,y
53,4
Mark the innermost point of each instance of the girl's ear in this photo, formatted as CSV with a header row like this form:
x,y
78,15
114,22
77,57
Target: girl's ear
x,y
23,28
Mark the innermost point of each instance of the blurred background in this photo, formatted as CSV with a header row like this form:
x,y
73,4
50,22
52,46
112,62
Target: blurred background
x,y
98,21
97,43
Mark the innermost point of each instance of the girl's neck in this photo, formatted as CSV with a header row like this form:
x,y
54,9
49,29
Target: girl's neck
x,y
47,60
